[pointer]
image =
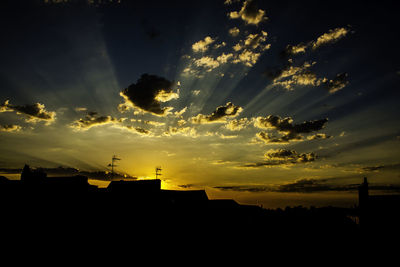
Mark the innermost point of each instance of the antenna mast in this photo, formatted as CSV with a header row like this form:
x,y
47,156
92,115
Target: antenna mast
x,y
112,165
158,171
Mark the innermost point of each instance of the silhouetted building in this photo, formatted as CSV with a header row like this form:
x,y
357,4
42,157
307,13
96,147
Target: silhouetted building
x,y
378,211
141,204
135,187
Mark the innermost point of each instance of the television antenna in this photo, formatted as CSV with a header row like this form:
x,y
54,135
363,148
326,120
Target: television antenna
x,y
112,165
158,171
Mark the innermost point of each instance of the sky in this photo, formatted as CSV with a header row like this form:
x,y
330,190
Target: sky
x,y
267,102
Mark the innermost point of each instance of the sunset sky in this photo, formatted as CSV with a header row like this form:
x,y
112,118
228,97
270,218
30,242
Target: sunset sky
x,y
267,102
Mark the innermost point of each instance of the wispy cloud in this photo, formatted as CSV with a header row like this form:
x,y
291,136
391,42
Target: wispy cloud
x,y
92,119
330,37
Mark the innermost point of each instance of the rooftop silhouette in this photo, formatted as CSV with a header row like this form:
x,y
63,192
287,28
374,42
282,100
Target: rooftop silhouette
x,y
37,199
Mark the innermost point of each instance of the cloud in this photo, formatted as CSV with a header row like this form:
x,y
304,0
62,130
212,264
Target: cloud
x,y
210,63
274,122
147,122
252,47
222,136
179,114
147,94
91,120
289,76
10,128
255,40
183,131
296,49
80,109
319,136
245,188
377,168
311,185
222,44
203,45
338,83
285,139
230,2
306,185
237,125
234,31
138,130
281,157
34,113
207,62
247,57
249,13
330,37
196,92
285,126
252,41
219,115
291,156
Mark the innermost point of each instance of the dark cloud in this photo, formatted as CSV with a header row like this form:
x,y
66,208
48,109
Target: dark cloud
x,y
337,83
377,168
186,186
142,131
219,115
282,157
324,185
245,188
308,185
147,94
284,139
291,156
35,112
92,119
275,72
309,126
138,130
290,131
313,185
260,164
373,168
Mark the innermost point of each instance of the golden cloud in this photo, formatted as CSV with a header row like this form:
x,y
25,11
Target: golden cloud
x,y
249,13
219,115
203,45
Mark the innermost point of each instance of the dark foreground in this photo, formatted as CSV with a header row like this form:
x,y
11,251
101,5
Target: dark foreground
x,y
68,208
